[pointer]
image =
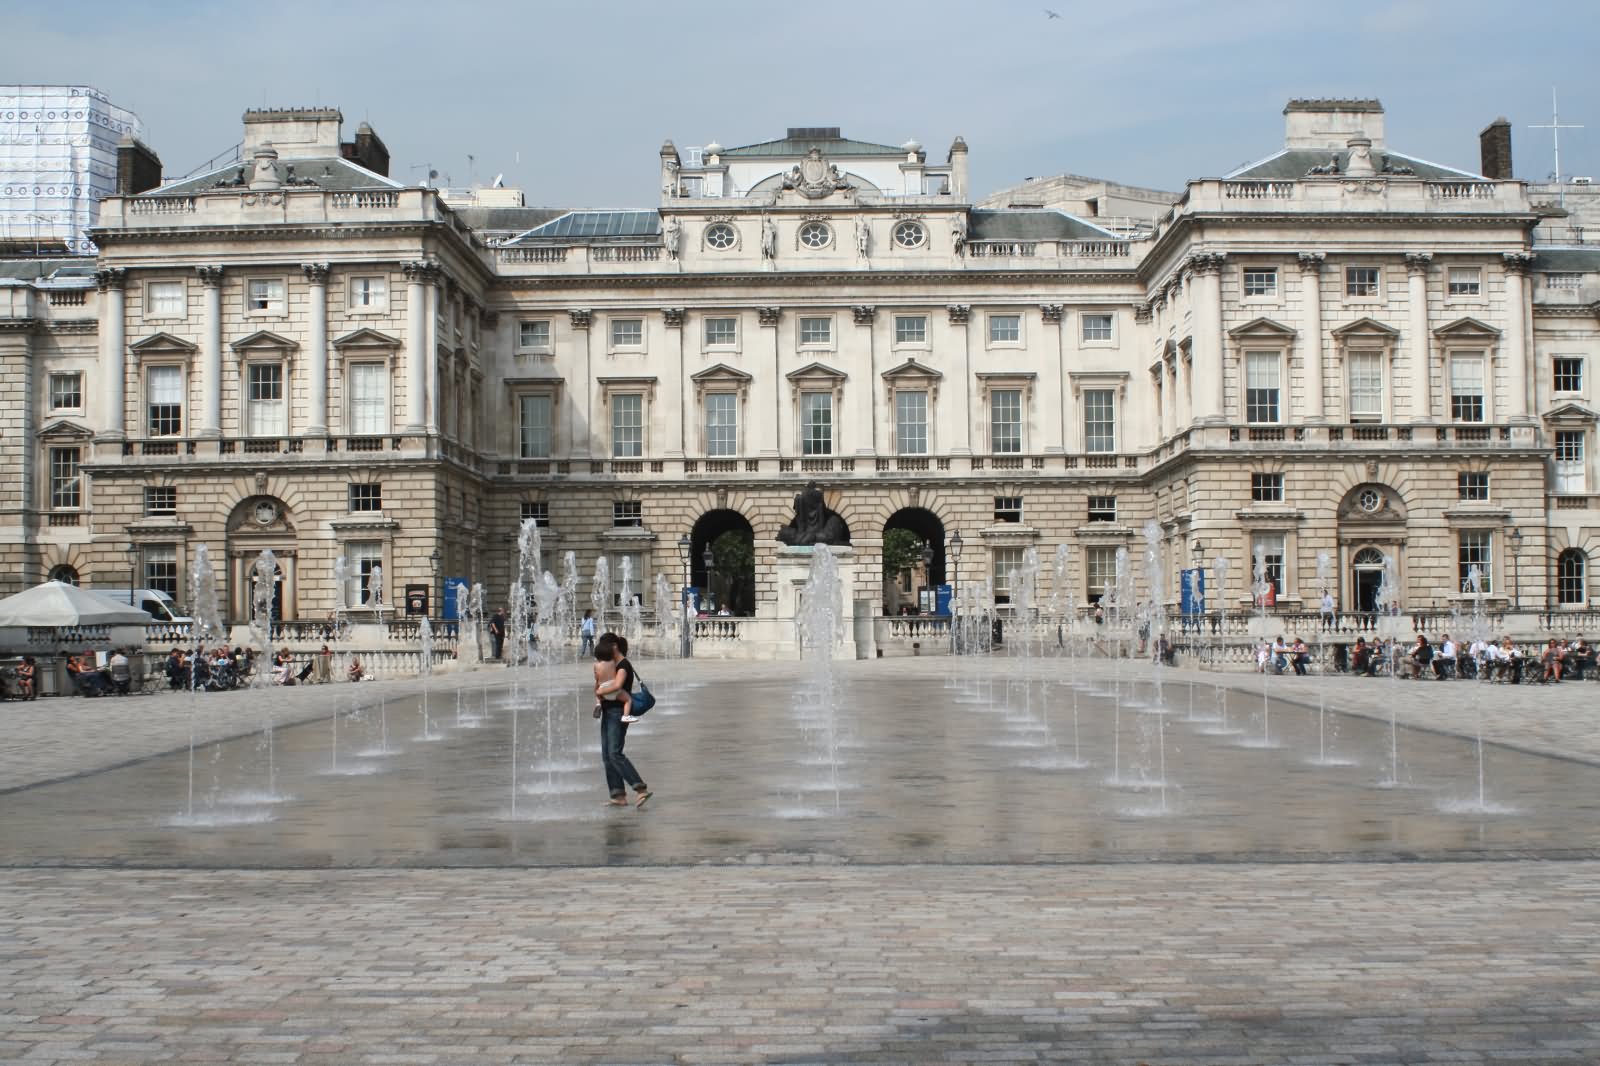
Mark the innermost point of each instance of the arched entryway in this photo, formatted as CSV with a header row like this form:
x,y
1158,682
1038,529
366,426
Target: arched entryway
x,y
1366,574
256,524
1372,526
730,582
905,574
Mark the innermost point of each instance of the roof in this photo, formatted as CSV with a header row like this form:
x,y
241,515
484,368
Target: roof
x,y
1332,104
1031,224
797,146
578,225
328,173
1566,260
58,266
512,219
1292,163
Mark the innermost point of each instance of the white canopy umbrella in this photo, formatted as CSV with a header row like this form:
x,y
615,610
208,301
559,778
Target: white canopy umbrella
x,y
57,604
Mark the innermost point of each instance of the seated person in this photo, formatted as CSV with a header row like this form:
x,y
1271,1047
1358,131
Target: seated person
x,y
1510,661
356,672
1444,658
1421,656
1361,659
87,675
1550,662
1580,657
1300,656
281,669
120,671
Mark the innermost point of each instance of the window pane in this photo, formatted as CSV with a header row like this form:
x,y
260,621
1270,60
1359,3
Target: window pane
x,y
166,298
1099,420
816,330
627,332
1100,572
1006,561
722,424
1568,374
361,558
265,294
722,331
910,329
534,424
816,423
627,426
1005,421
369,399
1464,281
1361,281
1475,553
163,387
1366,385
265,408
1571,575
161,568
65,485
533,334
1270,546
1096,327
1261,386
366,292
1571,474
1466,388
1005,327
1261,281
66,392
911,423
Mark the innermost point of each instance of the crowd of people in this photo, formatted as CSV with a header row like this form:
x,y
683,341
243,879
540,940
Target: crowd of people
x,y
1483,659
220,669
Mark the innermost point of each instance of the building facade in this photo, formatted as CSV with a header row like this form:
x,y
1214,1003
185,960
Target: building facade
x,y
1336,355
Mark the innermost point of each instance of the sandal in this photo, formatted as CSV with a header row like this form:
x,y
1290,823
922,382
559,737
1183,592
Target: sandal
x,y
643,795
617,801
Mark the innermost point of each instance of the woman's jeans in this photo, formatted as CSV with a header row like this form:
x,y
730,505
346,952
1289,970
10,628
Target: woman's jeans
x,y
619,771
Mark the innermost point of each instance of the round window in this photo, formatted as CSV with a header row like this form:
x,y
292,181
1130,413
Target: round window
x,y
721,236
815,235
1370,500
910,235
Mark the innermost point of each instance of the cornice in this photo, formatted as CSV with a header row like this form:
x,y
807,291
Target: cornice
x,y
770,281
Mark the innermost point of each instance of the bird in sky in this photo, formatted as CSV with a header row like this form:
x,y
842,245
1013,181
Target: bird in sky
x,y
1051,14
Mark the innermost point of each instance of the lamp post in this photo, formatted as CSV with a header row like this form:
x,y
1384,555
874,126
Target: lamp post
x,y
927,571
133,574
955,575
684,549
1514,542
710,562
433,567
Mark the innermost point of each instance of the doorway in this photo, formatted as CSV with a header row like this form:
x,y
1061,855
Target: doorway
x,y
1366,575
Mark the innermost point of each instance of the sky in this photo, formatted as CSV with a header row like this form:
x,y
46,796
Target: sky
x,y
570,101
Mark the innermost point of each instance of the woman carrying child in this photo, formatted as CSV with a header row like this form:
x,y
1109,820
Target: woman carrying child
x,y
613,691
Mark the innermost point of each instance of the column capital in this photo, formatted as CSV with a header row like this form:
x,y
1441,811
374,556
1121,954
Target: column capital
x,y
1518,263
422,270
109,278
673,317
210,276
1204,263
959,313
1052,312
580,317
1142,312
1311,262
768,316
1418,262
316,273
864,314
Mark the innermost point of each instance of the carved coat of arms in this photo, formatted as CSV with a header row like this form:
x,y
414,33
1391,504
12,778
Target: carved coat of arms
x,y
814,177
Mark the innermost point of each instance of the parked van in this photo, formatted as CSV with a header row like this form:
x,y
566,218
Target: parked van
x,y
158,605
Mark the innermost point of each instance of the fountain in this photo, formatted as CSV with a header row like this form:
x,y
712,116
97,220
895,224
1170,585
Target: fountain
x,y
1220,567
631,610
1261,589
425,670
1155,618
264,575
1387,602
1324,568
820,612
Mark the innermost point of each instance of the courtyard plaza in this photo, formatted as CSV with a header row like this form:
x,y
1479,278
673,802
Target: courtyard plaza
x,y
967,860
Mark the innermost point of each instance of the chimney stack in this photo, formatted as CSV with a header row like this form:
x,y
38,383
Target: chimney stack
x,y
138,168
367,150
1494,146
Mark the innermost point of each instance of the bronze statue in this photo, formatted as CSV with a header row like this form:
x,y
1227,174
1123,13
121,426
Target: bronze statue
x,y
813,522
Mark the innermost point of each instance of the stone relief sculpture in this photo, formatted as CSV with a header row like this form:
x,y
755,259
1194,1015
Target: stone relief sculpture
x,y
863,238
958,233
814,177
813,522
769,239
672,237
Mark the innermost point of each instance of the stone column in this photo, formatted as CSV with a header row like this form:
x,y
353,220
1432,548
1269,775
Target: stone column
x,y
430,330
210,421
113,348
1052,384
960,316
678,446
867,444
1311,323
317,349
417,344
769,317
1205,297
1182,385
1516,402
581,428
1421,342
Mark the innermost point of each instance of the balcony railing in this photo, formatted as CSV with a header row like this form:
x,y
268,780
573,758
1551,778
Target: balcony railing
x,y
1258,190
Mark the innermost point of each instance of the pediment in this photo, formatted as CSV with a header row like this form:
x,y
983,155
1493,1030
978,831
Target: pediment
x,y
1467,327
1366,327
163,342
65,430
366,338
911,370
1570,414
722,372
817,372
263,338
1262,327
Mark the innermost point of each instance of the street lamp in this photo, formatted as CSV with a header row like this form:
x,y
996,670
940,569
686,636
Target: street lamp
x,y
433,567
1197,554
955,576
709,561
1514,541
133,574
684,550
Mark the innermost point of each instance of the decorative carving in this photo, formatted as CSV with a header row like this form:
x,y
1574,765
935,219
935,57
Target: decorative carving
x,y
958,233
1330,167
673,317
719,218
418,270
1518,263
1142,313
672,237
1359,164
813,522
1159,299
1417,262
210,276
863,238
864,314
1362,188
580,317
769,239
722,499
959,313
316,273
1311,262
814,177
109,278
1208,262
1052,312
768,316
1399,169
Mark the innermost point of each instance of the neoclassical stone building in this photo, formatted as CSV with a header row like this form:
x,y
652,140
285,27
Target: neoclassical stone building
x,y
1338,353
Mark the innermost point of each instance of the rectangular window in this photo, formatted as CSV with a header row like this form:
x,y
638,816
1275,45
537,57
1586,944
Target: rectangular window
x,y
1099,420
1366,387
265,415
366,496
1102,509
1005,328
1008,508
533,335
722,332
1095,327
533,426
368,293
627,426
910,329
911,423
816,423
722,423
816,331
537,512
161,568
66,392
1472,487
1361,282
1261,281
1465,281
160,501
626,514
369,399
1007,561
1466,388
1270,546
1099,571
630,563
1005,421
66,484
264,296
1563,280
1571,475
1266,488
1568,373
163,388
362,558
627,332
1261,386
166,299
1475,551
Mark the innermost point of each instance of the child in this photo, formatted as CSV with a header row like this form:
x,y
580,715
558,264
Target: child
x,y
607,686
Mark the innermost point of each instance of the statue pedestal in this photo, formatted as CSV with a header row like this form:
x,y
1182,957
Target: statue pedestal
x,y
793,572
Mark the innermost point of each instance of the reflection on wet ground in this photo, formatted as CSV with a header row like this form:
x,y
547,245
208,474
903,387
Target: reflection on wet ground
x,y
931,771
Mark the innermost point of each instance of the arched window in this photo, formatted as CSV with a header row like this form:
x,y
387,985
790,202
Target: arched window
x,y
64,573
1368,557
1572,571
